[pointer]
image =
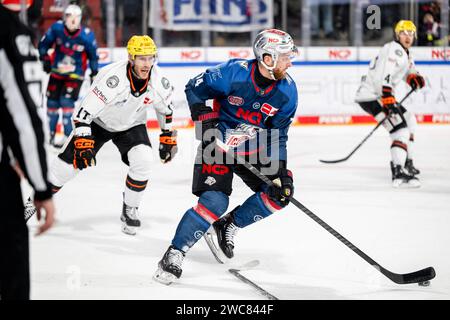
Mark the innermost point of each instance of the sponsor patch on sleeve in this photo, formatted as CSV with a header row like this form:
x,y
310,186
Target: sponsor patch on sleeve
x,y
99,94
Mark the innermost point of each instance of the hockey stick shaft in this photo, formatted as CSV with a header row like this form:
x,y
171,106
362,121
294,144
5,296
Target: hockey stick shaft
x,y
368,136
414,277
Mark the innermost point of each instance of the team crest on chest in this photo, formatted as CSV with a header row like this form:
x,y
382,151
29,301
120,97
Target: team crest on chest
x,y
235,101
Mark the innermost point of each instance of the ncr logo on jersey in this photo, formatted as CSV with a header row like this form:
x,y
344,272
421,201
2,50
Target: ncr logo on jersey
x,y
254,117
268,109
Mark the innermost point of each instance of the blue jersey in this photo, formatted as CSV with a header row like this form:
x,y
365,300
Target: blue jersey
x,y
71,51
238,99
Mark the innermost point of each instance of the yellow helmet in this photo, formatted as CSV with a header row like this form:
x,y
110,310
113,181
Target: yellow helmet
x,y
405,25
141,46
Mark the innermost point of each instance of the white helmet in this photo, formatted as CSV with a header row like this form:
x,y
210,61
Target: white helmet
x,y
273,42
72,17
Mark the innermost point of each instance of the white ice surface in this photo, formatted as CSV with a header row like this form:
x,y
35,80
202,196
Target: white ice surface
x,y
86,256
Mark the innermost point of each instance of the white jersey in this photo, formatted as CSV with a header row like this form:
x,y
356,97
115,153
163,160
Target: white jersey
x,y
392,65
111,104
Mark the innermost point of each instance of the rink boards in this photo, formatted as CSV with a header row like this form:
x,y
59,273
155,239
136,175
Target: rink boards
x,y
327,80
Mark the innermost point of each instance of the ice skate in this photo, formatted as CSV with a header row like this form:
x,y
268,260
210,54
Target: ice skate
x,y
409,166
402,179
211,240
226,230
169,268
129,219
59,144
51,141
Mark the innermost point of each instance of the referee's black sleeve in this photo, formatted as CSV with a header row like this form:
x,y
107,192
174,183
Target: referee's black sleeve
x,y
21,128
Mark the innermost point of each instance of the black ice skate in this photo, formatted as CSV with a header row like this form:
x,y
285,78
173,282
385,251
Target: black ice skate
x,y
52,140
225,230
410,167
29,209
57,145
129,219
169,268
402,179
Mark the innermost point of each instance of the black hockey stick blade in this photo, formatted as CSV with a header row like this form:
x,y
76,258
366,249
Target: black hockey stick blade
x,y
334,161
368,136
237,274
413,277
357,147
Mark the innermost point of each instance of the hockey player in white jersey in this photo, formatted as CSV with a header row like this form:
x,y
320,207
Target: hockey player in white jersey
x,y
376,95
115,108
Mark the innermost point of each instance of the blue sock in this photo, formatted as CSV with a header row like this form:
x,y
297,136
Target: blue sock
x,y
53,115
67,122
211,205
67,106
256,207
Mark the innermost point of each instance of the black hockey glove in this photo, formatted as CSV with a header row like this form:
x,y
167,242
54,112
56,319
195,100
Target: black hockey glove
x,y
206,119
285,191
47,64
84,154
93,75
415,81
167,145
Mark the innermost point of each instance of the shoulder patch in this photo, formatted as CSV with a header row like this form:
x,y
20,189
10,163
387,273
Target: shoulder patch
x,y
399,52
112,81
165,83
244,64
214,74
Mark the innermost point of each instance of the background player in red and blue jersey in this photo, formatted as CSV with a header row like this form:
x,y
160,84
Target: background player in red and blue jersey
x,y
73,45
255,95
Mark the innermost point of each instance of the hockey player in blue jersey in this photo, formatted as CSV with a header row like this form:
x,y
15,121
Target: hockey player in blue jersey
x,y
73,46
255,95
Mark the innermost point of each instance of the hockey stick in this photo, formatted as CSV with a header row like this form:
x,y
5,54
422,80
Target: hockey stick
x,y
420,276
368,136
237,274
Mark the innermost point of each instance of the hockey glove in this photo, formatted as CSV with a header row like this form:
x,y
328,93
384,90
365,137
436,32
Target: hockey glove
x,y
47,64
167,145
389,103
285,190
93,75
415,81
206,119
84,154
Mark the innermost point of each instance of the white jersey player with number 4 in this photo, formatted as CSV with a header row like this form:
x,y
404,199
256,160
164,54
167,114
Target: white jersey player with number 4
x,y
389,68
115,109
376,95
